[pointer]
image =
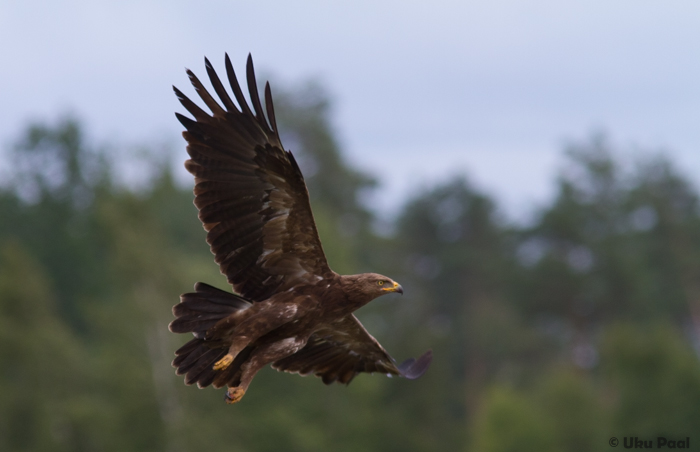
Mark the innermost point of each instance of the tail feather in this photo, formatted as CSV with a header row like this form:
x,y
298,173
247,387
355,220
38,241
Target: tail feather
x,y
206,378
205,363
186,349
196,323
200,310
197,364
197,312
185,362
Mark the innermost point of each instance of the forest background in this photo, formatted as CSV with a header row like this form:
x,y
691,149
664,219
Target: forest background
x,y
552,336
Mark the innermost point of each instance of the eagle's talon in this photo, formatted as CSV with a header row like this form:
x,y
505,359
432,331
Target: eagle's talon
x,y
234,395
224,362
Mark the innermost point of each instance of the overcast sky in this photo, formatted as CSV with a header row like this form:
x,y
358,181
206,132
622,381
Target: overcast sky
x,y
492,89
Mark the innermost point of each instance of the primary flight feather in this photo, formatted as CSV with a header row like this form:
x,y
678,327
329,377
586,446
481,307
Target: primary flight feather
x,y
288,307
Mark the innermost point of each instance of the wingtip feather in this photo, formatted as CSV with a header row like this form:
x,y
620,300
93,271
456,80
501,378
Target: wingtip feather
x,y
414,368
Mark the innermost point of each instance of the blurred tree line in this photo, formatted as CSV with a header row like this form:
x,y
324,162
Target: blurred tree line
x,y
551,337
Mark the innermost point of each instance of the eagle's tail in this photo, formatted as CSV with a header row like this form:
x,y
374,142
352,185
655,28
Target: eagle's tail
x,y
202,309
197,312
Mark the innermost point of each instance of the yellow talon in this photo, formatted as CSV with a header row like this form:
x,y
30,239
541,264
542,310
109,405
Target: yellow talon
x,y
234,395
224,362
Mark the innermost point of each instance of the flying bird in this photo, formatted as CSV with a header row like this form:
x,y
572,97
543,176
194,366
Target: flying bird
x,y
288,308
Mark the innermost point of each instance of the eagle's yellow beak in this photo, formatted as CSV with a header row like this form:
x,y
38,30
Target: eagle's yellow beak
x,y
396,288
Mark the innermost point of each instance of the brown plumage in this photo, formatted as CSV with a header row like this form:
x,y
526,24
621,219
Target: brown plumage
x,y
289,308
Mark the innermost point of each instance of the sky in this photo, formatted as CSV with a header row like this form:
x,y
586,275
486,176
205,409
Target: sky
x,y
492,89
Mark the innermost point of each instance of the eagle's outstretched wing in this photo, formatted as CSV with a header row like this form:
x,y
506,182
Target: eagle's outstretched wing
x,y
250,193
344,349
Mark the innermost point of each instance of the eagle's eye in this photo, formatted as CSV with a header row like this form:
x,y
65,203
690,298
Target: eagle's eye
x,y
380,283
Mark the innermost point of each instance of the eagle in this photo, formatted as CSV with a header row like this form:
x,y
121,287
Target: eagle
x,y
287,308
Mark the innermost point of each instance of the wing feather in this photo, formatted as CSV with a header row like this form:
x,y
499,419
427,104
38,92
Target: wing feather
x,y
254,96
236,87
270,108
198,113
251,195
204,94
219,87
342,350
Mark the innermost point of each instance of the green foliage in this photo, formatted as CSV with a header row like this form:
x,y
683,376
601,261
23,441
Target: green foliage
x,y
511,422
563,412
575,410
654,376
40,356
552,337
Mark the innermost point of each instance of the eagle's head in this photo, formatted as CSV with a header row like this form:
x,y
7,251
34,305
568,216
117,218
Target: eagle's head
x,y
366,287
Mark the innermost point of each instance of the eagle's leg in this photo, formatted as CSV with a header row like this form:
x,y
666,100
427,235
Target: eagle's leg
x,y
248,371
224,362
238,344
234,395
262,356
255,327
